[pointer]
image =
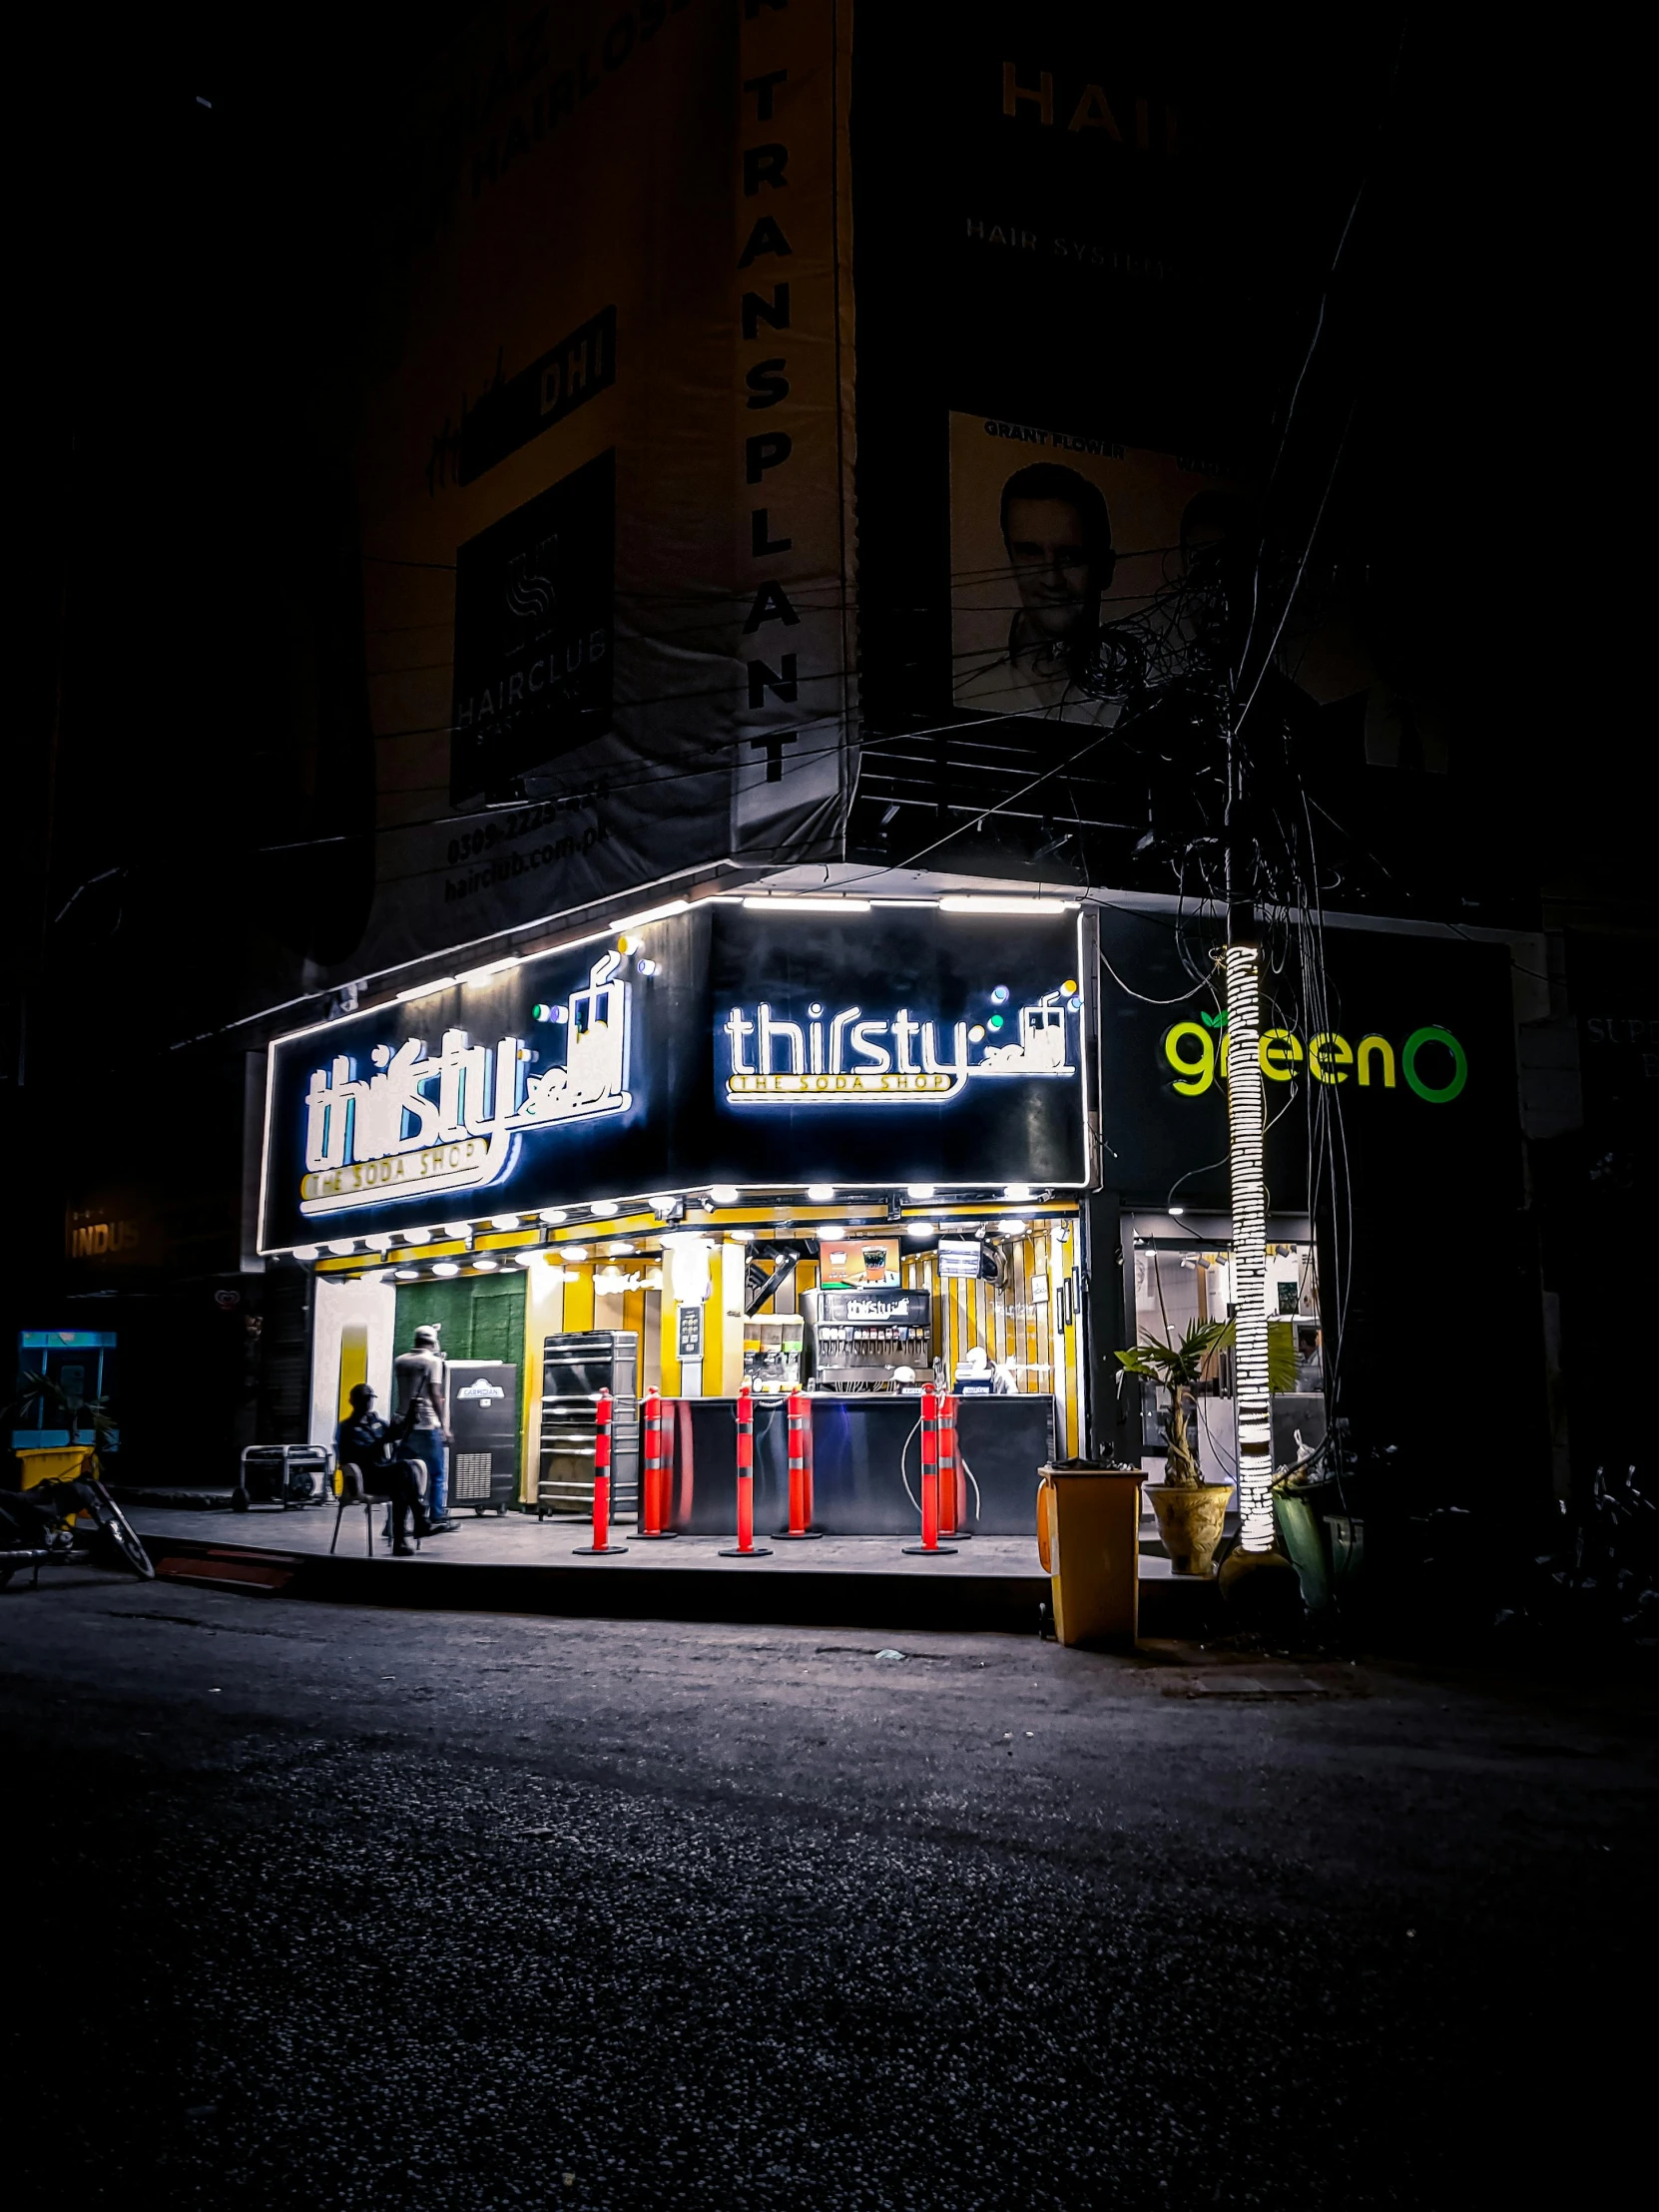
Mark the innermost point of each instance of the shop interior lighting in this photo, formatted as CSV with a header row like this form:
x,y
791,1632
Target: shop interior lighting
x,y
574,1252
821,1193
446,1266
724,1194
342,1247
458,1229
1016,1191
1014,1226
553,1215
922,1191
978,902
306,1252
742,1236
828,1235
504,1221
408,1275
604,1209
780,903
525,1259
1176,1212
425,990
918,1228
483,1265
621,1251
417,1236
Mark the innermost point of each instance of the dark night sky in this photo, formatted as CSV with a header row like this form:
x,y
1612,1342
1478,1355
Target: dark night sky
x,y
195,275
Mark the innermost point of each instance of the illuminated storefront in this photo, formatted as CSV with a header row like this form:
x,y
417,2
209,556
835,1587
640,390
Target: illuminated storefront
x,y
827,1143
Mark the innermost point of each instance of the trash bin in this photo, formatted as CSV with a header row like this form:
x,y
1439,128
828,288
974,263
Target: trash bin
x,y
53,1462
1088,1539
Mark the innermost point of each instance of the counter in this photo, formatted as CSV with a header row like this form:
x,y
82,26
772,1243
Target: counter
x,y
860,1447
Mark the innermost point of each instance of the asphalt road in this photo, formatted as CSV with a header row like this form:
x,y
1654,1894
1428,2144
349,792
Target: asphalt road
x,y
314,1907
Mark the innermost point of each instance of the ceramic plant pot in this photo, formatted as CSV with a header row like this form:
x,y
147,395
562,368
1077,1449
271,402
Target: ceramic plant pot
x,y
1189,1520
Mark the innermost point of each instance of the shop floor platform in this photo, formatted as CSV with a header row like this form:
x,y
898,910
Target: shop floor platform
x,y
518,1565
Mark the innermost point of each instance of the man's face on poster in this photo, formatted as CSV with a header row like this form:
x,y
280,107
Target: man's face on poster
x,y
1059,587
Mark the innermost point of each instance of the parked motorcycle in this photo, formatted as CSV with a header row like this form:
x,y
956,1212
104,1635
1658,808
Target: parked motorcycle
x,y
65,1517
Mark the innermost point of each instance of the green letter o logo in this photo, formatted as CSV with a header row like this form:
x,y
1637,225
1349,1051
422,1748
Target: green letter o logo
x,y
1460,1069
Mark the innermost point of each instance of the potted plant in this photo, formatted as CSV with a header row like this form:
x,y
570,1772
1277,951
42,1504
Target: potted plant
x,y
1189,1509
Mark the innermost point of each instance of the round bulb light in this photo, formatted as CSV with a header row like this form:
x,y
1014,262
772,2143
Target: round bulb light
x,y
922,1191
306,1252
503,1220
1016,1191
344,1245
458,1229
446,1266
604,1209
553,1215
724,1194
821,1193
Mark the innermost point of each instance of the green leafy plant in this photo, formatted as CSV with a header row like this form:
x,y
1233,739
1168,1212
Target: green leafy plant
x,y
73,1412
1179,1369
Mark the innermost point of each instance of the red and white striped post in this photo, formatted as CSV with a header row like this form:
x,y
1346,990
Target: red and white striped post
x,y
800,1418
746,1546
602,1544
656,1477
929,1546
952,1487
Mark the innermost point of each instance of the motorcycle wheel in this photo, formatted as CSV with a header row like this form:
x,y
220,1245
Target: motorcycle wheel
x,y
125,1546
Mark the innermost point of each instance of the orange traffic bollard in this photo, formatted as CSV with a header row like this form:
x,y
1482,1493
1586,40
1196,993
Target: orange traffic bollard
x,y
929,1546
656,1474
602,1543
800,1416
952,1483
746,1546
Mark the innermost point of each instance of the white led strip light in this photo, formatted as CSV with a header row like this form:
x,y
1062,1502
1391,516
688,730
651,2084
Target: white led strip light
x,y
1252,1405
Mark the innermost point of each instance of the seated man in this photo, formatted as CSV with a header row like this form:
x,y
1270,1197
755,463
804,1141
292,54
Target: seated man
x,y
365,1441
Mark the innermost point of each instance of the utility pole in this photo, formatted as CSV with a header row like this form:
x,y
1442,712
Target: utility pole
x,y
1247,1166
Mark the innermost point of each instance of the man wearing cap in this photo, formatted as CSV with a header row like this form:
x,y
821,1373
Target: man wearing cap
x,y
363,1442
421,1383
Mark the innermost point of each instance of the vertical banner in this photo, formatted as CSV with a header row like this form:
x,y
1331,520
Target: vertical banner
x,y
792,448
600,457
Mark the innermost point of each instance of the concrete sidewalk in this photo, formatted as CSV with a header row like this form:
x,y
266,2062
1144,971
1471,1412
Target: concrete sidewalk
x,y
517,1564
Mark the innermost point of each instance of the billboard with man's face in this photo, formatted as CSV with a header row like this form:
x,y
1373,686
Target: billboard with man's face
x,y
1085,573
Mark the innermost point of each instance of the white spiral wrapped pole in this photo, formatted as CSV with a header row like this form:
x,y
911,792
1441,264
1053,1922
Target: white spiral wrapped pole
x,y
1252,1403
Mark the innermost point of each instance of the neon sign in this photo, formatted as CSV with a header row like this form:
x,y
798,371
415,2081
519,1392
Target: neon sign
x,y
421,1126
1190,1049
849,1059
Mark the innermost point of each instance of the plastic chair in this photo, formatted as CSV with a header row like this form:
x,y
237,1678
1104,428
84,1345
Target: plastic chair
x,y
352,1490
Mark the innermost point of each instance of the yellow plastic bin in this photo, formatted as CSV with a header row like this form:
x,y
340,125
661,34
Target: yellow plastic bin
x,y
1088,1539
50,1463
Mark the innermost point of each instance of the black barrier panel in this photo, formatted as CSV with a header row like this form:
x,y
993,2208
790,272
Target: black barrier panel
x,y
712,1046
864,1451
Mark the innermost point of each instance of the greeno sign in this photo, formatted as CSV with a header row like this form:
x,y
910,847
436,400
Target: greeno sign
x,y
1432,1062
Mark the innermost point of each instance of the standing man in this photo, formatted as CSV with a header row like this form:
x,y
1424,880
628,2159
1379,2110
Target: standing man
x,y
422,1380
